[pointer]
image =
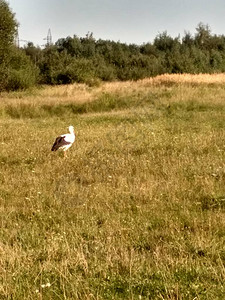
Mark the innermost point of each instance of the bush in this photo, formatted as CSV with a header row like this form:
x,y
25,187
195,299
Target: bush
x,y
22,73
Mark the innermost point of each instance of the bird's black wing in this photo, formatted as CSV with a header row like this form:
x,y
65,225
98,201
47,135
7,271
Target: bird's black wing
x,y
59,142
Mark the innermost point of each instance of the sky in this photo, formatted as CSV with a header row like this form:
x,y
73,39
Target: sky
x,y
128,21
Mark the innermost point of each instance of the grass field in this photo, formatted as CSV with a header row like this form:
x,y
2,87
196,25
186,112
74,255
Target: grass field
x,y
136,210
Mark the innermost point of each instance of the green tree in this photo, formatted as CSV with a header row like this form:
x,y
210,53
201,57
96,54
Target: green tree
x,y
71,45
187,39
22,73
8,26
8,30
88,45
203,35
33,52
164,42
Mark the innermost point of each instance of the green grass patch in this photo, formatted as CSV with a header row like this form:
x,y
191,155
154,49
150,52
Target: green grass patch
x,y
136,210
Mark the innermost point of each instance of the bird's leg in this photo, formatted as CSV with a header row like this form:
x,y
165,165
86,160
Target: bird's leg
x,y
64,154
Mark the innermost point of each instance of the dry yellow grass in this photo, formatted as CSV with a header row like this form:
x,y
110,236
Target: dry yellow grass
x,y
80,93
188,78
137,209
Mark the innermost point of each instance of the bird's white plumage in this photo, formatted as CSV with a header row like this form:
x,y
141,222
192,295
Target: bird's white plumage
x,y
69,137
64,141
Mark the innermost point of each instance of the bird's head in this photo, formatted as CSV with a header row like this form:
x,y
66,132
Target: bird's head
x,y
71,129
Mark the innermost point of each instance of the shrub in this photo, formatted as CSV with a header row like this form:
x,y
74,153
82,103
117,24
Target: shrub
x,y
22,73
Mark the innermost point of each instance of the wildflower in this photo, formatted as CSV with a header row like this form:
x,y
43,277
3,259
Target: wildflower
x,y
48,284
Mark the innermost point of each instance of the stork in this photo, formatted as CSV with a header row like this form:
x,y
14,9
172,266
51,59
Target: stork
x,y
64,141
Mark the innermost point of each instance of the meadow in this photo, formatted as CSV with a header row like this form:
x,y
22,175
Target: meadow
x,y
137,208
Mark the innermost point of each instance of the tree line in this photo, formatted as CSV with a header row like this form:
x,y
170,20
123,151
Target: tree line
x,y
85,59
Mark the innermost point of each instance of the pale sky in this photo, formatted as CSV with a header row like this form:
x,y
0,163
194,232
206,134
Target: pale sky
x,y
128,21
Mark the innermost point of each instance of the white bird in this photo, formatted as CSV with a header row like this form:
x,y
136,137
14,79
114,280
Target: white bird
x,y
64,141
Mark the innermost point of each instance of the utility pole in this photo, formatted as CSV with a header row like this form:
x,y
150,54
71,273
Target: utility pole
x,y
17,40
48,38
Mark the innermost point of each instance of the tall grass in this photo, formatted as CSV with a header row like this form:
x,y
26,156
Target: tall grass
x,y
136,210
